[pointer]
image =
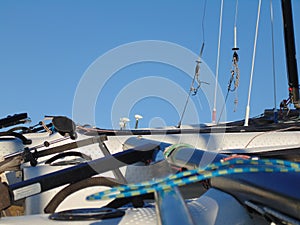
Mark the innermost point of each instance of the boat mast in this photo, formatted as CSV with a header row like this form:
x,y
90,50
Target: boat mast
x,y
290,52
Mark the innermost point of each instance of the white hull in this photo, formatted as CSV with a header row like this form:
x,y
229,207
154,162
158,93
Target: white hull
x,y
221,142
212,208
236,142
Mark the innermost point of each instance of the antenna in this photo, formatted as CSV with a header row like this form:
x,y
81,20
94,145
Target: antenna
x,y
137,118
123,122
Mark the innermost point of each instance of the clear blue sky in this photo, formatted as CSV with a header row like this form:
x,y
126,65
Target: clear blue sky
x,y
46,47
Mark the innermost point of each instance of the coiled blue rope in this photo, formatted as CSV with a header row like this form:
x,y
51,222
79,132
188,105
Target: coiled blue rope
x,y
232,166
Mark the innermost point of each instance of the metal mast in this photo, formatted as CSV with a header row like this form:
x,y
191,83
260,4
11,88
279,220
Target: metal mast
x,y
290,52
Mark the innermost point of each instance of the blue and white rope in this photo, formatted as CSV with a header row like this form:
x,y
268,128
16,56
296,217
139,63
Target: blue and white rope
x,y
233,166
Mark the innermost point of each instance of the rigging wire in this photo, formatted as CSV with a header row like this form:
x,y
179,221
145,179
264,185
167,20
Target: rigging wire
x,y
196,78
252,66
273,63
236,58
235,72
217,67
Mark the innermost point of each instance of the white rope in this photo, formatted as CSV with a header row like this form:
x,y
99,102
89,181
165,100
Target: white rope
x,y
252,67
217,67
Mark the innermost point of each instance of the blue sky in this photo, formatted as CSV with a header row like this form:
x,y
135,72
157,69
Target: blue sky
x,y
46,48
